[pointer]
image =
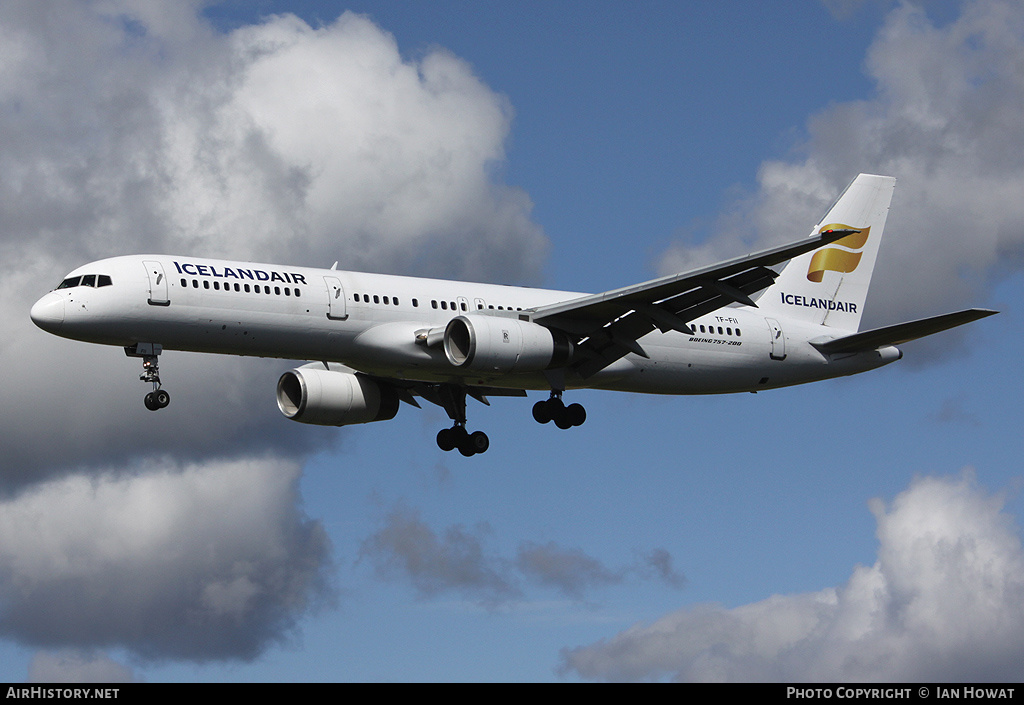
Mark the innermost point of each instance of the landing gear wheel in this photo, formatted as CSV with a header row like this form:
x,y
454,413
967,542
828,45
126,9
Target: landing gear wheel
x,y
541,412
554,409
561,418
453,399
446,440
149,352
469,444
479,441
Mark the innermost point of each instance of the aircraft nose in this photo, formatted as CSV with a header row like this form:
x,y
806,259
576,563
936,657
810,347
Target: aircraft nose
x,y
48,312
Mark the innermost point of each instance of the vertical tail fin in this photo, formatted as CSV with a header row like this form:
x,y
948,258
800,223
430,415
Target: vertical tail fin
x,y
829,285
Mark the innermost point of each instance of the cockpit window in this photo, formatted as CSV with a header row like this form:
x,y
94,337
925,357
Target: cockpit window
x,y
95,280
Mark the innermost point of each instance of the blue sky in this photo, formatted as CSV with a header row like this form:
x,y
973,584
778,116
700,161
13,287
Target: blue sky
x,y
605,143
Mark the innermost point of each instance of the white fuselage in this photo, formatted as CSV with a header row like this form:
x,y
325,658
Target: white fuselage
x,y
370,322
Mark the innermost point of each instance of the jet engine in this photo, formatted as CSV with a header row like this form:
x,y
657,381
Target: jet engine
x,y
498,344
334,397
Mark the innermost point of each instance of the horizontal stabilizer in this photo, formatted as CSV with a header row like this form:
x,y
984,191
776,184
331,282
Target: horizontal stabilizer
x,y
901,332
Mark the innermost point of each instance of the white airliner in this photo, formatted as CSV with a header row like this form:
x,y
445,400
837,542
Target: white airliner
x,y
378,340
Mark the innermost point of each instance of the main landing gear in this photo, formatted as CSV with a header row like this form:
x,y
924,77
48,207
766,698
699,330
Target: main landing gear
x,y
552,409
457,436
453,399
158,398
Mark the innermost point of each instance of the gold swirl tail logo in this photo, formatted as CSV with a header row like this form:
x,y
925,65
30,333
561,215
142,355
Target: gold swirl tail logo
x,y
835,260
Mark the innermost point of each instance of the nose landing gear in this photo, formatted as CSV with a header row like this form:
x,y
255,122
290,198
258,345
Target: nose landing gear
x,y
158,398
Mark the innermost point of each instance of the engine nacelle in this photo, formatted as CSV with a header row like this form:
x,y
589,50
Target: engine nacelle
x,y
311,394
498,344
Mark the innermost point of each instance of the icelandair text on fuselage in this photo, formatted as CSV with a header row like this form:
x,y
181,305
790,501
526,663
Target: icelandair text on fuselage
x,y
809,302
208,270
966,692
65,693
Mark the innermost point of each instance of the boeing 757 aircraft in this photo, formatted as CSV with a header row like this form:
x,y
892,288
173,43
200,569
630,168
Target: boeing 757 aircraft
x,y
377,340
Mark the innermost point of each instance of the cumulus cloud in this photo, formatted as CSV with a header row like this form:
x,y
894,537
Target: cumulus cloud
x,y
943,602
195,562
945,120
130,127
457,560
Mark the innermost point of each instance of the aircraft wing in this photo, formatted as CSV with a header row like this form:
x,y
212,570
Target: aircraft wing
x,y
605,327
900,333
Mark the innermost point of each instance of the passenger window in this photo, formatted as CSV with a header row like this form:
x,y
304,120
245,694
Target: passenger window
x,y
463,306
287,291
385,300
216,285
737,332
394,301
296,292
376,299
247,288
206,283
415,303
195,283
277,290
184,282
444,305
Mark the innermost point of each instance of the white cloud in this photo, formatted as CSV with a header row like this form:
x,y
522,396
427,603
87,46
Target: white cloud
x,y
130,126
944,120
195,562
943,602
